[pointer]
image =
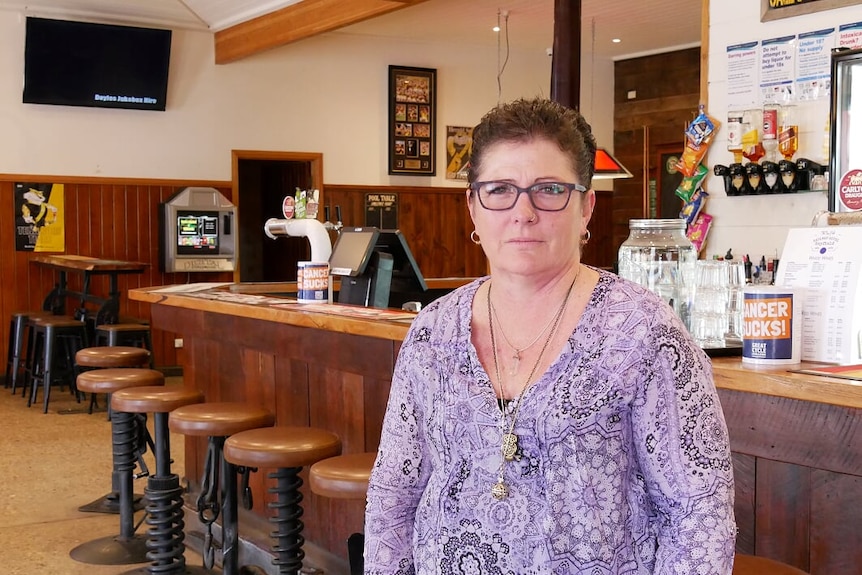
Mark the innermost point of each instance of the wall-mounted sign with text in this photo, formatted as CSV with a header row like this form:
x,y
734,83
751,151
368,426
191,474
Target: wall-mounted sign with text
x,y
774,9
381,211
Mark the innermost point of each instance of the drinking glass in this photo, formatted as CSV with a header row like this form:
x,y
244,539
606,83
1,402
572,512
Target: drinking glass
x,y
735,301
709,318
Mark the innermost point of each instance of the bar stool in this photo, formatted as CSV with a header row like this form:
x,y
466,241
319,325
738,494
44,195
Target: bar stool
x,y
109,381
15,351
109,357
217,422
287,450
345,477
128,432
752,565
125,334
49,333
165,536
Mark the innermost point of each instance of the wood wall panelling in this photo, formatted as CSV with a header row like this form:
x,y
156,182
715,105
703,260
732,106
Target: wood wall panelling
x,y
744,467
668,93
797,474
782,512
835,517
105,218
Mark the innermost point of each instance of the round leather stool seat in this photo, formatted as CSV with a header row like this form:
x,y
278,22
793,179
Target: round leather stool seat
x,y
55,320
154,399
751,565
112,380
218,419
277,447
112,356
342,477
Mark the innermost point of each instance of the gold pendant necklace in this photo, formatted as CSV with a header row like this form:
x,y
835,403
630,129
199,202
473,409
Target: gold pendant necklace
x,y
509,440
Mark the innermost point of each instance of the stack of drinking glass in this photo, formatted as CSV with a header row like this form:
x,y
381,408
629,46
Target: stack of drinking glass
x,y
717,303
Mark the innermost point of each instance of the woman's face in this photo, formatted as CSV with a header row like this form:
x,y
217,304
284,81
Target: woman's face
x,y
524,240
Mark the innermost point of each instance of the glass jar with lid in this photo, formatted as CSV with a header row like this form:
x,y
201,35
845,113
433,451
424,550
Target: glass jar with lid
x,y
659,256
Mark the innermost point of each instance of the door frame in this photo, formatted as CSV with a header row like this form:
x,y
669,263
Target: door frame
x,y
314,159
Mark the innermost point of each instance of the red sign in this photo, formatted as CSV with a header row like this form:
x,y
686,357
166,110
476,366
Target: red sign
x,y
850,190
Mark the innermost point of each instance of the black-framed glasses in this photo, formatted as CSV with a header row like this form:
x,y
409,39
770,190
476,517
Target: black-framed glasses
x,y
545,196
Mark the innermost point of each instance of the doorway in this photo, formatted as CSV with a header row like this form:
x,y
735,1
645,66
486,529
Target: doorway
x,y
261,180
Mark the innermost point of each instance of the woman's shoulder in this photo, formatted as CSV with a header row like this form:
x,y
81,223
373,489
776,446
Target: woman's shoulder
x,y
622,302
450,313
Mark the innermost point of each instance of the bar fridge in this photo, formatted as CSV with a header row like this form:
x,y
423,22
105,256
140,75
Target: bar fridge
x,y
845,164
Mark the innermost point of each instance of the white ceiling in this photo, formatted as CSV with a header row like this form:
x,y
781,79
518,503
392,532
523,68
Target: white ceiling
x,y
644,27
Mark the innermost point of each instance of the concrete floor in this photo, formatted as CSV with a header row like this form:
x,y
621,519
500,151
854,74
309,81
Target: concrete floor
x,y
51,464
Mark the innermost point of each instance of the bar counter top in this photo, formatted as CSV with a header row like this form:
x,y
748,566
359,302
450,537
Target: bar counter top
x,y
255,300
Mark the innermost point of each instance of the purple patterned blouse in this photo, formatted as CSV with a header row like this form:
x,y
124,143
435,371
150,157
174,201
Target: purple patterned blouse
x,y
624,460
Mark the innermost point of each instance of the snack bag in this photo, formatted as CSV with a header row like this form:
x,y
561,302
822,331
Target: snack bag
x,y
698,137
702,128
690,184
692,208
698,231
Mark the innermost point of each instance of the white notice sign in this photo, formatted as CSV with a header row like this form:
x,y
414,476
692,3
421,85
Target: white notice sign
x,y
827,263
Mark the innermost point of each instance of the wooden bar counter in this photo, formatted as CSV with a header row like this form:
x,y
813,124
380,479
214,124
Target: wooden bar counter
x,y
796,439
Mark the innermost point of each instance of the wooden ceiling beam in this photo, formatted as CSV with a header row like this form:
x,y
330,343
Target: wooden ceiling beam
x,y
296,22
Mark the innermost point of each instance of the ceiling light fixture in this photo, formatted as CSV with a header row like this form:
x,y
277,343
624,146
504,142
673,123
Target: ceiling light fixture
x,y
607,167
616,40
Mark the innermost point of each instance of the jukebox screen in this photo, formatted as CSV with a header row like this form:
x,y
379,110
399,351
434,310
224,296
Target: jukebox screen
x,y
197,233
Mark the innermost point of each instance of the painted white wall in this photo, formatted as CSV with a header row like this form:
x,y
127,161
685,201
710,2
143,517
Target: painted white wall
x,y
325,94
757,225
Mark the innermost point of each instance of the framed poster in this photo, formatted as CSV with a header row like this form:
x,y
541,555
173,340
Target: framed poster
x,y
39,217
412,120
775,9
459,144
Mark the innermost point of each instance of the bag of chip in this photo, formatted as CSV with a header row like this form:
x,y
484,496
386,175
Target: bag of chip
x,y
692,208
697,232
689,184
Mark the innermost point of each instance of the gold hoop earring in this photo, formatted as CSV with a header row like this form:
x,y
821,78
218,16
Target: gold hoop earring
x,y
474,237
586,237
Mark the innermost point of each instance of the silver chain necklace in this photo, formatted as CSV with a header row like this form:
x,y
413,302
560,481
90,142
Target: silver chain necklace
x,y
509,442
516,356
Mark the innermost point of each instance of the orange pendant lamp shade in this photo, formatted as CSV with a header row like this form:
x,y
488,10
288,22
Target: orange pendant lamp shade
x,y
608,167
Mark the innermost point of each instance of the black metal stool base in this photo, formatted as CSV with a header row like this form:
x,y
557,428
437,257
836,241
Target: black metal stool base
x,y
110,504
112,550
186,570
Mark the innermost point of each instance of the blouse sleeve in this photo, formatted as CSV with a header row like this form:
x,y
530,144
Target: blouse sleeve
x,y
683,448
400,472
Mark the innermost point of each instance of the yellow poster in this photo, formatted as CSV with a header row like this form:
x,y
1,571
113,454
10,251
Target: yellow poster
x,y
459,143
39,217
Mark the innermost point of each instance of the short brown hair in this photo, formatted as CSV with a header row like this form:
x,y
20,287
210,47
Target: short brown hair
x,y
523,120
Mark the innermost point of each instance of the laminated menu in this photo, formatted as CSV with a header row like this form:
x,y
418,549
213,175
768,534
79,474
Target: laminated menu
x,y
827,263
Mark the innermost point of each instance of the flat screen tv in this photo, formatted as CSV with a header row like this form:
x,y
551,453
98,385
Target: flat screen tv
x,y
95,65
197,233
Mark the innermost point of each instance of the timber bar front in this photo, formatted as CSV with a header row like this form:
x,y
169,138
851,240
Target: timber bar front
x,y
797,439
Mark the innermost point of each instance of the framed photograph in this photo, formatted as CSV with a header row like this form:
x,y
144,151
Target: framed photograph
x,y
412,120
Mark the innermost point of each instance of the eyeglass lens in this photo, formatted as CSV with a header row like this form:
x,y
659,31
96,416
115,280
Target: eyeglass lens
x,y
544,196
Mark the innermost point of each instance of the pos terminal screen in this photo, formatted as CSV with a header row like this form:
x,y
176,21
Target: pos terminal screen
x,y
352,251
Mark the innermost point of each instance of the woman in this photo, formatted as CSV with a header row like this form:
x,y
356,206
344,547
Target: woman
x,y
549,418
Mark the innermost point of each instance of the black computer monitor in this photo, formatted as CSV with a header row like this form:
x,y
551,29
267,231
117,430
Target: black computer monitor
x,y
377,268
352,251
365,273
406,276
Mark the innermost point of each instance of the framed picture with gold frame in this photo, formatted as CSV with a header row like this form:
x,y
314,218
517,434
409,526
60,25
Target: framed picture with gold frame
x,y
412,120
775,9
